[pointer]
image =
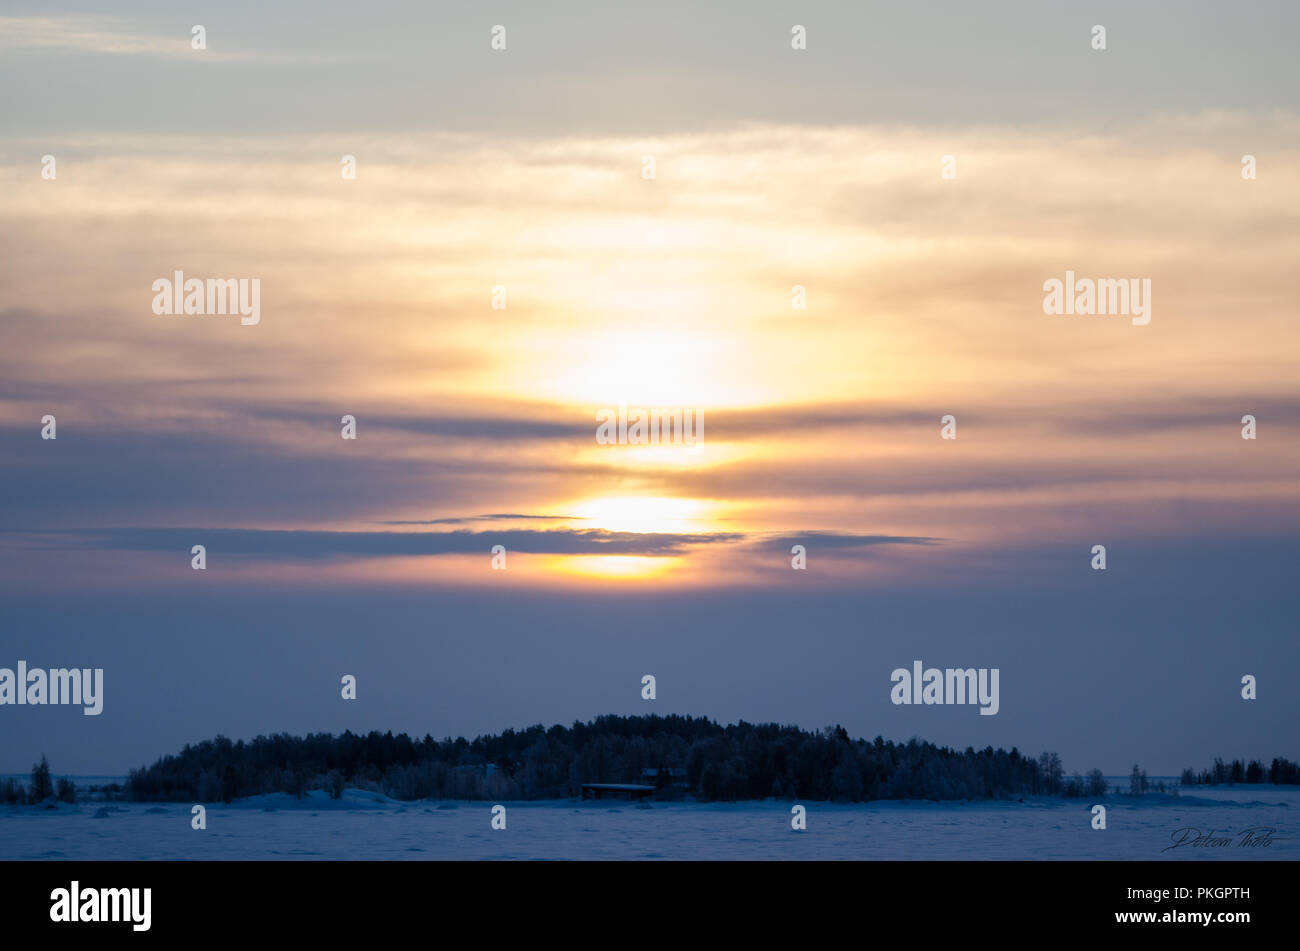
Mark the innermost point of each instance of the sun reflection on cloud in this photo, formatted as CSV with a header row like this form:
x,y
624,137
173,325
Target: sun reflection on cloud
x,y
614,566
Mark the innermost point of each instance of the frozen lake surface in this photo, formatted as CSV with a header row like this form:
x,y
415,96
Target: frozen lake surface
x,y
365,825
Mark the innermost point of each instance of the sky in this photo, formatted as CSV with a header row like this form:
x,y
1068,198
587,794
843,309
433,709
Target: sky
x,y
519,176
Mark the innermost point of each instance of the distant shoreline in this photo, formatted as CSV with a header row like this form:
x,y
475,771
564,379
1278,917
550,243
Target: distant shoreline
x,y
353,798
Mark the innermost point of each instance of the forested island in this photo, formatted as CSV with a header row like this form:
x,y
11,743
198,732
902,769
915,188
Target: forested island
x,y
680,756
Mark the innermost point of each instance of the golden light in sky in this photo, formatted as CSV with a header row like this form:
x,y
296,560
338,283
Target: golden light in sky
x,y
923,297
645,514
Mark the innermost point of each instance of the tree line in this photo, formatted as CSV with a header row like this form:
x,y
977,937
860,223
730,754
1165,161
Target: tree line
x,y
42,789
680,756
1282,772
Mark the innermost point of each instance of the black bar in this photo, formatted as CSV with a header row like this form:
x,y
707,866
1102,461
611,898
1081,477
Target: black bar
x,y
651,902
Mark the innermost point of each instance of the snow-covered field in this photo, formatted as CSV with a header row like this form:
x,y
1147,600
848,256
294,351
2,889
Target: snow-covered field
x,y
365,825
